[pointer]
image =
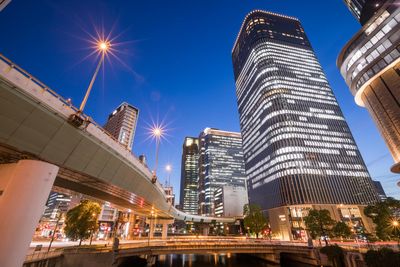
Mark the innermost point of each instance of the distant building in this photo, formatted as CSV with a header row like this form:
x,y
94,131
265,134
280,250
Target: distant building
x,y
230,200
56,203
379,190
220,163
169,191
189,175
143,160
121,124
370,65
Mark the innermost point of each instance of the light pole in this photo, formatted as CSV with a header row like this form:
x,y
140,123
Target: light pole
x,y
396,228
150,227
168,168
157,133
102,47
91,233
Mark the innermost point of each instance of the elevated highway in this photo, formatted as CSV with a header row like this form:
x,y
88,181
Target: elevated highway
x,y
37,136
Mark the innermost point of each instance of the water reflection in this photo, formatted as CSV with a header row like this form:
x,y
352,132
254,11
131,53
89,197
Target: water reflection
x,y
210,260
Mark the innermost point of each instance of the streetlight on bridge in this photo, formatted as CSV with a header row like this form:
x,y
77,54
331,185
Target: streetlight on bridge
x,y
102,46
157,133
168,169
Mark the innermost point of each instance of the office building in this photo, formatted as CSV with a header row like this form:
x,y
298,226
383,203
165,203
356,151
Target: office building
x,y
363,10
220,163
169,192
298,148
189,175
121,124
230,200
370,64
56,204
379,190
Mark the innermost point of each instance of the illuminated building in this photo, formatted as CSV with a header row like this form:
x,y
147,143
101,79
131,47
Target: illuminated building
x,y
121,124
230,200
220,163
56,203
379,190
189,175
370,64
298,149
363,10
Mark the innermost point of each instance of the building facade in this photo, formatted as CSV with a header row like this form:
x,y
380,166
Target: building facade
x,y
298,149
220,163
189,175
121,124
370,64
379,190
230,200
56,204
363,10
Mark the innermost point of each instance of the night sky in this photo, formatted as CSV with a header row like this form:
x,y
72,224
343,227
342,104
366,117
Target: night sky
x,y
174,64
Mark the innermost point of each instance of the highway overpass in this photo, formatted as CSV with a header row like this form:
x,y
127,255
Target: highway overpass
x,y
37,136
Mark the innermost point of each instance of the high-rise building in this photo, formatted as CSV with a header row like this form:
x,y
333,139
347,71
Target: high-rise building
x,y
230,200
121,124
56,203
370,64
298,149
363,10
220,163
379,190
189,175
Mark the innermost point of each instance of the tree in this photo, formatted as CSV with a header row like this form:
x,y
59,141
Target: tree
x,y
81,221
319,223
341,229
382,214
254,219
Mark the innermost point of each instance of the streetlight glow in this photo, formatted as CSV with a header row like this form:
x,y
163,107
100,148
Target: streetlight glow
x,y
395,223
157,132
168,168
104,46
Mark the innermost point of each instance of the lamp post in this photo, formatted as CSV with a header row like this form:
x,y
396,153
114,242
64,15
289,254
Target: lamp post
x,y
168,168
150,227
102,47
157,133
396,228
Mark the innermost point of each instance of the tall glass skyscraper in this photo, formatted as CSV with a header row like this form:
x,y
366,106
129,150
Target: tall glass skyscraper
x,y
220,163
298,149
189,175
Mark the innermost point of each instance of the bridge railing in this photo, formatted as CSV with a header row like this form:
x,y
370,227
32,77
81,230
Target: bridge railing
x,y
37,256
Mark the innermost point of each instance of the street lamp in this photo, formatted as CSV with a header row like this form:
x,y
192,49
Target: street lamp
x,y
157,133
102,46
168,168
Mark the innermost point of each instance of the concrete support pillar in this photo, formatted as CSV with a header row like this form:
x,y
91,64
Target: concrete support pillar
x,y
24,189
152,225
164,231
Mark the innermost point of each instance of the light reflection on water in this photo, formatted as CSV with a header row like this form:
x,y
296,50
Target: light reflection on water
x,y
209,260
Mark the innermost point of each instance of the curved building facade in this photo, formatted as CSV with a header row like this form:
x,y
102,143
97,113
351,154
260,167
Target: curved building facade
x,y
363,10
370,64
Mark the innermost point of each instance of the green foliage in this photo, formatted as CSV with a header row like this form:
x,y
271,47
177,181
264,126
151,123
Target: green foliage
x,y
81,220
254,219
382,214
335,255
319,223
382,257
341,229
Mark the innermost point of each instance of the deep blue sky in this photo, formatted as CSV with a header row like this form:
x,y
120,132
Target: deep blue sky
x,y
176,63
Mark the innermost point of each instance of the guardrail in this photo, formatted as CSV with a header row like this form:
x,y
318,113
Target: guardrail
x,y
37,256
